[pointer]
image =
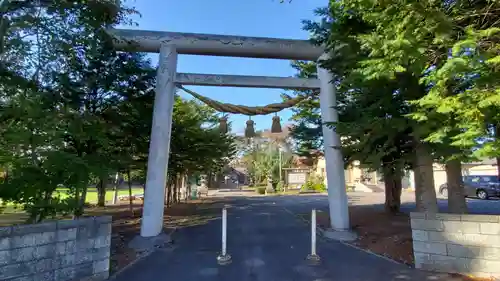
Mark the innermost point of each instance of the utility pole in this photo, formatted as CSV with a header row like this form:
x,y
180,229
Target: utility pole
x,y
280,157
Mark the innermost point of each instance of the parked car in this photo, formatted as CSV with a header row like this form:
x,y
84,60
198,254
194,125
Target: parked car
x,y
482,187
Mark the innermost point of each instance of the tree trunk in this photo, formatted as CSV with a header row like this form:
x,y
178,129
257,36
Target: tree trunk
x,y
84,197
166,193
101,192
456,194
497,136
498,166
169,193
188,190
425,192
76,202
80,201
115,194
130,199
43,212
220,180
210,180
115,190
143,193
174,191
181,187
393,186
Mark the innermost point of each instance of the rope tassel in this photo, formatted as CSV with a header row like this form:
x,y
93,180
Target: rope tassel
x,y
223,125
276,125
250,130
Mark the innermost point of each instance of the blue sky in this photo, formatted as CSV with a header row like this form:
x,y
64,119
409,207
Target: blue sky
x,y
262,18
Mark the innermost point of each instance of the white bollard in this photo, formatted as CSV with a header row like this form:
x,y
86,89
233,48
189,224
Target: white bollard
x,y
224,257
224,231
313,232
313,256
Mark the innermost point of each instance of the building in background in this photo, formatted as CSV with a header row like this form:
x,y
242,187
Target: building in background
x,y
354,174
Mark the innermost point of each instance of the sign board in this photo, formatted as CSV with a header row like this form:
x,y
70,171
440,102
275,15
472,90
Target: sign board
x,y
297,170
297,178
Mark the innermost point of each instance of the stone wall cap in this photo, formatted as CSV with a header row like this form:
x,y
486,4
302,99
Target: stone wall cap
x,y
23,229
103,219
65,224
455,217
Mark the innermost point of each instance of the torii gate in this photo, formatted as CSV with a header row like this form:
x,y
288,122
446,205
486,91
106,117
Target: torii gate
x,y
169,45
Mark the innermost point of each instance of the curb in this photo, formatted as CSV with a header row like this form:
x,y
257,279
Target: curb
x,y
139,258
324,238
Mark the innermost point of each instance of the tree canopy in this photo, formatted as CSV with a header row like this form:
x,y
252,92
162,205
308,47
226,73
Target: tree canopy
x,y
417,83
74,110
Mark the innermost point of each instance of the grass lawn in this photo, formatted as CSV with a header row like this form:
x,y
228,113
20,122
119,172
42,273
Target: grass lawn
x,y
92,193
15,215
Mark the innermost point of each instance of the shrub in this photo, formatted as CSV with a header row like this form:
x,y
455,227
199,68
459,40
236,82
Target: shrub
x,y
279,187
261,190
319,187
314,183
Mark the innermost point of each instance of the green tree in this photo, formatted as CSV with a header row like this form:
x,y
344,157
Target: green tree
x,y
448,54
261,157
372,124
129,124
463,97
306,132
74,110
197,146
55,80
417,83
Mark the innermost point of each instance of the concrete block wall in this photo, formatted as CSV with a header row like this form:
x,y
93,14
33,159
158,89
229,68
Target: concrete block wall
x,y
467,244
56,251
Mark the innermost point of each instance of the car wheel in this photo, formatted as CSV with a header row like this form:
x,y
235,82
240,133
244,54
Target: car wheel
x,y
444,192
481,194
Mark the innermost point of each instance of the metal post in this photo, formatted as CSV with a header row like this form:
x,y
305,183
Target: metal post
x,y
281,170
280,163
224,257
313,256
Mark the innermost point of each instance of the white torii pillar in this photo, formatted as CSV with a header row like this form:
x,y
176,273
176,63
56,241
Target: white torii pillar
x,y
159,146
334,162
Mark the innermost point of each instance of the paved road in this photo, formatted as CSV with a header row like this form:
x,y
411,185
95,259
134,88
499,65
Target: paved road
x,y
267,243
305,203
